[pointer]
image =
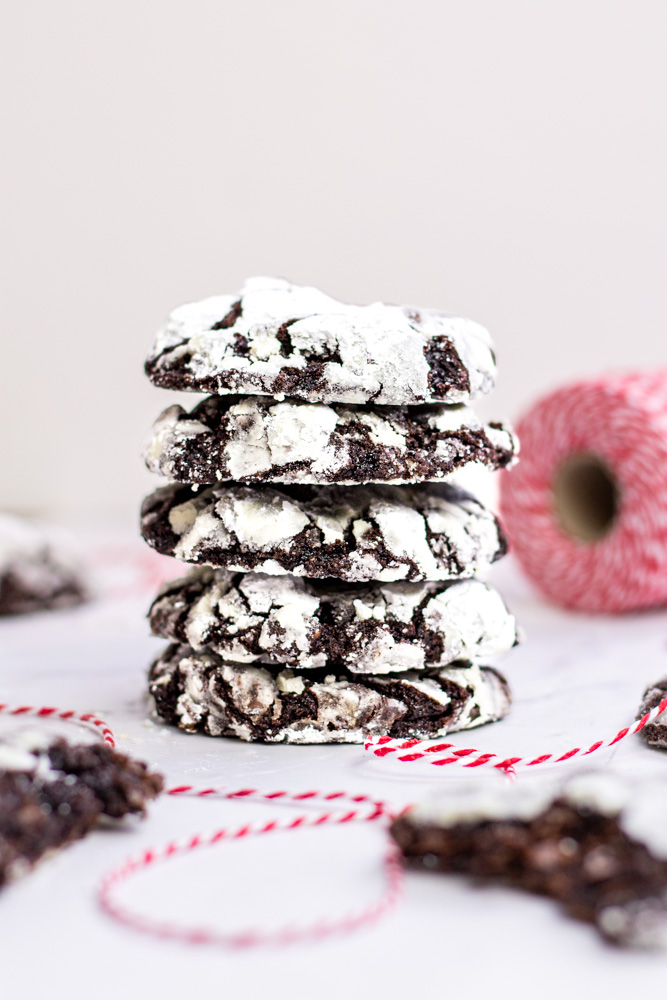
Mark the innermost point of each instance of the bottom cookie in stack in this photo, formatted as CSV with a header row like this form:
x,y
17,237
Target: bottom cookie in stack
x,y
201,692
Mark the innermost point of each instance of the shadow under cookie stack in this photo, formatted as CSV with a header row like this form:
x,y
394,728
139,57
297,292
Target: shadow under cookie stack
x,y
335,590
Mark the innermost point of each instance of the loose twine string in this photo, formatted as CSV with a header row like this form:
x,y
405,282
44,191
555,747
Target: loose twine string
x,y
441,754
364,809
342,809
88,719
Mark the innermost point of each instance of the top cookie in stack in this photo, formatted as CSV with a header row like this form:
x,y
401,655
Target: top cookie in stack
x,y
290,470
274,338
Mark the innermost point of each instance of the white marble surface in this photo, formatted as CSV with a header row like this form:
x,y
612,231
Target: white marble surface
x,y
575,679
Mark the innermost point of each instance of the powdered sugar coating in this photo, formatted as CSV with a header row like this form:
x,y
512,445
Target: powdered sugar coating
x,y
275,338
257,439
308,624
640,804
357,534
25,750
21,542
202,692
33,575
595,841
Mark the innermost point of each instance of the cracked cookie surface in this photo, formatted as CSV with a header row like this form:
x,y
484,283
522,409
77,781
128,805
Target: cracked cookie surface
x,y
306,624
256,439
385,533
275,338
201,692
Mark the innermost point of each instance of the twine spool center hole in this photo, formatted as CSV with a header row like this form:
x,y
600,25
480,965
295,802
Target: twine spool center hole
x,y
586,497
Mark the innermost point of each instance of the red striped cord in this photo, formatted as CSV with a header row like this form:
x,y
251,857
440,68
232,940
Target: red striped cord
x,y
44,712
441,754
372,810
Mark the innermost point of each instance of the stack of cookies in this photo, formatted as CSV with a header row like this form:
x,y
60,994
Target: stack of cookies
x,y
334,592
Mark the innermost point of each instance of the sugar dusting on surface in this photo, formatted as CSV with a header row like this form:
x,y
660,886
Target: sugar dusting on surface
x,y
432,533
378,349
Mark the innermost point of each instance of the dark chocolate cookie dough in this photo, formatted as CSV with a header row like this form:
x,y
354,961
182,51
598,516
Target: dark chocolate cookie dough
x,y
594,841
277,339
34,576
655,733
357,533
256,439
54,793
201,692
305,624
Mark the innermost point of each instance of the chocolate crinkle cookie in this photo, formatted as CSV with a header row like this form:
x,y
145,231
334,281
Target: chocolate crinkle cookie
x,y
306,624
655,733
53,792
384,533
256,439
34,576
274,338
594,841
201,692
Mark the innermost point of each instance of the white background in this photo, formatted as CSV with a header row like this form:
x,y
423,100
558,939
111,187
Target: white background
x,y
505,160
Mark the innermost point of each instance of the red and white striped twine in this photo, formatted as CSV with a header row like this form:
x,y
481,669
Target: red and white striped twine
x,y
342,808
438,754
620,420
371,808
365,809
441,754
44,712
